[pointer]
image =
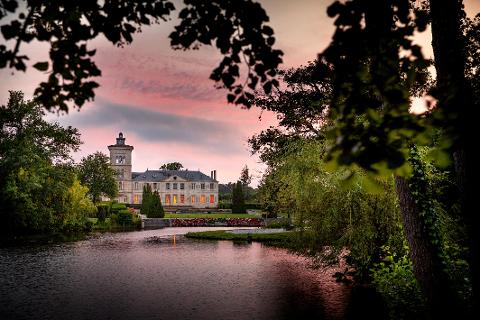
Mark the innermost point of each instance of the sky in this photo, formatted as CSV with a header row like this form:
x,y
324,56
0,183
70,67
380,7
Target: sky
x,y
164,103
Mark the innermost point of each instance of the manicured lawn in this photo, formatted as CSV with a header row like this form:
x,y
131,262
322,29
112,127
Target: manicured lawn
x,y
210,215
273,238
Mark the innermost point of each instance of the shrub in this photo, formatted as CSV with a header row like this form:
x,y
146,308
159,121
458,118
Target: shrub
x,y
103,211
222,204
269,214
253,206
394,280
124,217
116,207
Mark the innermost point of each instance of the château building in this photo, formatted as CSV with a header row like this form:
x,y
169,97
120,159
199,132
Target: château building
x,y
177,188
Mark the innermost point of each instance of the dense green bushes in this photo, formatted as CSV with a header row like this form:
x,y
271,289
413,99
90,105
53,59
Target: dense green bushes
x,y
394,280
113,215
103,211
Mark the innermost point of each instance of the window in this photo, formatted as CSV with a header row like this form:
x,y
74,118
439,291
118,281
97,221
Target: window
x,y
120,173
120,160
182,186
174,199
120,185
182,198
168,186
136,185
155,186
193,199
212,186
202,198
136,199
212,198
192,186
167,199
175,186
202,186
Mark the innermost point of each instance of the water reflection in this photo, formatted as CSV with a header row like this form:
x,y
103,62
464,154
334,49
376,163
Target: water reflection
x,y
125,276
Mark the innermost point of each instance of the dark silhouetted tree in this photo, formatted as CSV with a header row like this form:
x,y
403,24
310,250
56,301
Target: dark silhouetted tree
x,y
238,199
238,28
172,166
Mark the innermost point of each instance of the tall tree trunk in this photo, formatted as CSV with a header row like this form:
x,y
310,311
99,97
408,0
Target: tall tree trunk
x,y
459,114
427,266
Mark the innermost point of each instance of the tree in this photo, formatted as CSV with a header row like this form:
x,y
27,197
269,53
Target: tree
x,y
35,168
376,69
301,106
238,200
151,203
245,177
237,28
95,172
171,166
79,206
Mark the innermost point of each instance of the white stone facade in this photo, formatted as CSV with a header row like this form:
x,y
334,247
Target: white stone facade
x,y
176,188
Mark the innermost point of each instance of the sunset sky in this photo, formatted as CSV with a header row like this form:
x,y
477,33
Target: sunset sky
x,y
164,103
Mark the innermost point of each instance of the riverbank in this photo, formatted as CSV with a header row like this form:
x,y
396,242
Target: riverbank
x,y
280,239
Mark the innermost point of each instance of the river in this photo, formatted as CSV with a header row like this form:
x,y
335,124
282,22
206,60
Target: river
x,y
128,276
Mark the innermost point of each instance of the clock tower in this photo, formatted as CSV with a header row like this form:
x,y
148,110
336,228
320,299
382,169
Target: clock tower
x,y
121,161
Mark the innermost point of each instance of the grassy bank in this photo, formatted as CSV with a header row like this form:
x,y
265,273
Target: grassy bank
x,y
108,225
279,239
210,215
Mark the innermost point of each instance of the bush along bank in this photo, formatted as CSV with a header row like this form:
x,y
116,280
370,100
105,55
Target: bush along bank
x,y
115,216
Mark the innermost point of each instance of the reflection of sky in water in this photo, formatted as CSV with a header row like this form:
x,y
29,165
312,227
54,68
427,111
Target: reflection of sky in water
x,y
122,276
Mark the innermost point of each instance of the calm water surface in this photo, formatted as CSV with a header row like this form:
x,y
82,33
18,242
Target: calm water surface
x,y
127,276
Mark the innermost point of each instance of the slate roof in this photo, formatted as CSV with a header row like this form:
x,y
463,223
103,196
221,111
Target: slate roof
x,y
161,175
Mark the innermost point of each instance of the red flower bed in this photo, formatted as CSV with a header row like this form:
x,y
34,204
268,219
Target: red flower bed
x,y
210,222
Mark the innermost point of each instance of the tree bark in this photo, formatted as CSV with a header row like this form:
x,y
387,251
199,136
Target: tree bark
x,y
460,114
427,266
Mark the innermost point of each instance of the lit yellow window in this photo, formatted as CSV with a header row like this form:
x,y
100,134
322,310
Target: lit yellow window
x,y
202,198
193,199
136,199
174,199
167,199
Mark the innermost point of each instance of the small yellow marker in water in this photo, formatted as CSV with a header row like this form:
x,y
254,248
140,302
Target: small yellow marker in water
x,y
174,240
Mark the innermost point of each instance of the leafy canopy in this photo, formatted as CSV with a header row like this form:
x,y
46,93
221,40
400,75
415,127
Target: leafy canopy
x,y
171,166
95,172
35,168
237,28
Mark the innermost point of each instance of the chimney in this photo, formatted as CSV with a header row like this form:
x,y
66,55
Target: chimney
x,y
215,175
211,174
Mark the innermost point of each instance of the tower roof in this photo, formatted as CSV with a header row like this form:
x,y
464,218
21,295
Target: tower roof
x,y
120,142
